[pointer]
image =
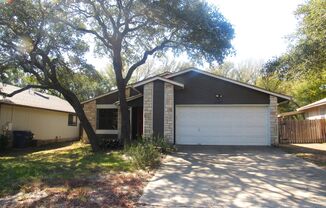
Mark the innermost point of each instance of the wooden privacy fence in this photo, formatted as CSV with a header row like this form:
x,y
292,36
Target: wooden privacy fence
x,y
304,131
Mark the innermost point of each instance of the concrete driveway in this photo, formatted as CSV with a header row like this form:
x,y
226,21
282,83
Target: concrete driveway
x,y
210,176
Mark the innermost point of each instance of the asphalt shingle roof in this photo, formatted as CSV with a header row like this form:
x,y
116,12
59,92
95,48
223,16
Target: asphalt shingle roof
x,y
34,99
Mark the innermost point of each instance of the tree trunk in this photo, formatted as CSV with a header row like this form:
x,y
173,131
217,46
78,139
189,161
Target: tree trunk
x,y
125,117
121,84
74,102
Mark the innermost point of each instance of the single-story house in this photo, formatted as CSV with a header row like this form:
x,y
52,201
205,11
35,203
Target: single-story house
x,y
315,110
48,117
191,107
312,111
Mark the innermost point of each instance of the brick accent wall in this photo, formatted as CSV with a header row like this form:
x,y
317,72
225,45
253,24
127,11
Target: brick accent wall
x,y
169,112
90,111
148,110
273,120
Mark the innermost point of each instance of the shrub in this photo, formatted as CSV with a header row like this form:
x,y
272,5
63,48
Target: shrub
x,y
144,155
160,143
146,152
110,143
4,141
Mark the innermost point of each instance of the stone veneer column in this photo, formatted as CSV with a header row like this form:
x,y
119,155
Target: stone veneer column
x,y
169,112
273,120
90,112
148,109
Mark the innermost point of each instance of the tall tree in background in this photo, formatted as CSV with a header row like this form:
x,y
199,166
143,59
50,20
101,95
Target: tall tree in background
x,y
129,31
34,44
304,65
246,71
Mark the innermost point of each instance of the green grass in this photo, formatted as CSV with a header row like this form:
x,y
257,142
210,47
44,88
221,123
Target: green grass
x,y
51,166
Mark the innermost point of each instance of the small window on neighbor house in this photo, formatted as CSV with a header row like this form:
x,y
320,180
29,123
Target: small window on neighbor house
x,y
72,119
107,119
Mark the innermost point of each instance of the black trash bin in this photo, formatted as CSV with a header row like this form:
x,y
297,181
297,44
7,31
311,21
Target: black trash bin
x,y
22,139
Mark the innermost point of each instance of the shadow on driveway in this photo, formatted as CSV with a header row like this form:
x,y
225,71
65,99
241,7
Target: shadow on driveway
x,y
210,176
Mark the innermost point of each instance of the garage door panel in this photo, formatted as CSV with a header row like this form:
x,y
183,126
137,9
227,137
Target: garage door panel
x,y
232,125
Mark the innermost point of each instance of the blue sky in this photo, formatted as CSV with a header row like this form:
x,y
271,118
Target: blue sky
x,y
261,27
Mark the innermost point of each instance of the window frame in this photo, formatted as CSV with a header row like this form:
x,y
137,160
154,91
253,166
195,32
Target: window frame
x,y
106,131
74,119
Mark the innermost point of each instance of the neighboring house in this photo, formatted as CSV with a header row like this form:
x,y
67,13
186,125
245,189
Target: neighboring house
x,y
48,117
191,107
313,111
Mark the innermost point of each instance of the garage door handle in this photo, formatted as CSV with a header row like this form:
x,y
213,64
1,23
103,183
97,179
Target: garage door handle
x,y
198,129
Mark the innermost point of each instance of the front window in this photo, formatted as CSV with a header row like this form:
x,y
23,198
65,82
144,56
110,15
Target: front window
x,y
107,119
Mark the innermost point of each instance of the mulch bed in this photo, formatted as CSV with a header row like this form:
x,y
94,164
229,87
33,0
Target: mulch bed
x,y
110,190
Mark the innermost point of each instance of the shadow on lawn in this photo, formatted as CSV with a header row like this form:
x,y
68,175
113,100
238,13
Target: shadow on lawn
x,y
24,151
49,168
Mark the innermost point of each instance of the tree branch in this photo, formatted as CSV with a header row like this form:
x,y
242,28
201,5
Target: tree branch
x,y
143,60
24,89
107,44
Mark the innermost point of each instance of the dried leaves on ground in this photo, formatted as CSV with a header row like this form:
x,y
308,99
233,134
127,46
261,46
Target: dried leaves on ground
x,y
110,190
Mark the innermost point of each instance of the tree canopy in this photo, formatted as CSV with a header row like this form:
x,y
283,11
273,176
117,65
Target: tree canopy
x,y
32,42
48,39
303,68
129,31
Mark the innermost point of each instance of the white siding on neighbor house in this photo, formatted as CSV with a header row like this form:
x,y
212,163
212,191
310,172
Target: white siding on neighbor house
x,y
45,124
316,113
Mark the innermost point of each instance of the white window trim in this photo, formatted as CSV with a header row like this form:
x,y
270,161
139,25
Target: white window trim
x,y
106,131
106,106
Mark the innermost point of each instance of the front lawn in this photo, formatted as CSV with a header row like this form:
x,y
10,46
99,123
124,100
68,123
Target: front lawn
x,y
71,169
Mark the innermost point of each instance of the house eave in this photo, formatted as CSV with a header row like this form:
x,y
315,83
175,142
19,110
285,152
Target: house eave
x,y
161,79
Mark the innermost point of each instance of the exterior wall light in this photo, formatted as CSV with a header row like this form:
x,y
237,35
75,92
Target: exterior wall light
x,y
218,96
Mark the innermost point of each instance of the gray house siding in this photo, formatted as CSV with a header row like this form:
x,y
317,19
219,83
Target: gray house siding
x,y
108,99
202,89
136,103
114,97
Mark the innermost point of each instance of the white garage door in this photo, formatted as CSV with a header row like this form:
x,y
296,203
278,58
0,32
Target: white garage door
x,y
227,125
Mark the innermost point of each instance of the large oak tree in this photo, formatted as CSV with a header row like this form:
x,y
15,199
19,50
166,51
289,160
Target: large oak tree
x,y
32,42
128,31
45,39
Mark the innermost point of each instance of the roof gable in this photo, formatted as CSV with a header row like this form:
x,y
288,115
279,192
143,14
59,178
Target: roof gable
x,y
228,80
158,78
